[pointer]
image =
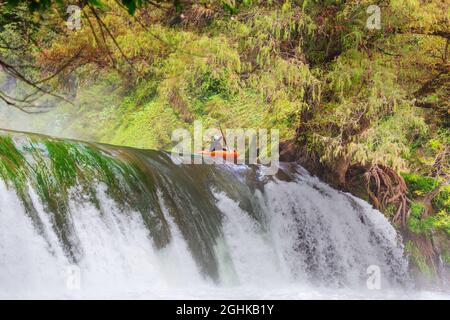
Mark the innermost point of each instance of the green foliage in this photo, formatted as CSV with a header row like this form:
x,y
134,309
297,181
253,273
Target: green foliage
x,y
207,86
415,223
43,5
423,226
147,128
389,141
416,210
442,201
437,222
367,117
419,185
441,221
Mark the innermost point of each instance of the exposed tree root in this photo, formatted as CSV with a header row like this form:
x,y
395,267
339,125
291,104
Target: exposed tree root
x,y
385,187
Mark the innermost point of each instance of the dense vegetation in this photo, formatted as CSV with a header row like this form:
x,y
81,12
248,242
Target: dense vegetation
x,y
366,109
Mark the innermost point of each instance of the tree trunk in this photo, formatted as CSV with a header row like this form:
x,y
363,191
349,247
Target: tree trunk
x,y
340,169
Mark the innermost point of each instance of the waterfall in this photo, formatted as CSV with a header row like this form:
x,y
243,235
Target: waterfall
x,y
81,220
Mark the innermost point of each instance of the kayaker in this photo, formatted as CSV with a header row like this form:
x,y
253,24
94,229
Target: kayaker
x,y
217,150
216,145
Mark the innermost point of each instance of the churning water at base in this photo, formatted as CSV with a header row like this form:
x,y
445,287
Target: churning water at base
x,y
209,232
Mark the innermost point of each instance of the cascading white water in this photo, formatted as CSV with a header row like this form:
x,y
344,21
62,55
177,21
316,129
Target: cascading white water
x,y
119,260
290,238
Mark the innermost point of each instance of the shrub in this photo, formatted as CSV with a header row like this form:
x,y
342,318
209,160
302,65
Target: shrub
x,y
419,185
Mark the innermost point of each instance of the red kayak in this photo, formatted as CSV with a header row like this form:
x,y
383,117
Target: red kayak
x,y
225,154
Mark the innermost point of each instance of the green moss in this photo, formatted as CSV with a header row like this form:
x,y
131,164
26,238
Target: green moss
x,y
418,259
11,163
59,170
416,210
419,185
63,163
415,222
439,221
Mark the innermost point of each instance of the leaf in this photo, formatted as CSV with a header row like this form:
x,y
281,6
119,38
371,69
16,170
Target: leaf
x,y
130,5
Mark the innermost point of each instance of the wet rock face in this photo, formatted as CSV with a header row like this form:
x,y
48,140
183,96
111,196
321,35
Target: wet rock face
x,y
9,83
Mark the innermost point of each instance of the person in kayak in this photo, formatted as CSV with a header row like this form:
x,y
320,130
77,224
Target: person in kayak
x,y
216,149
216,145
